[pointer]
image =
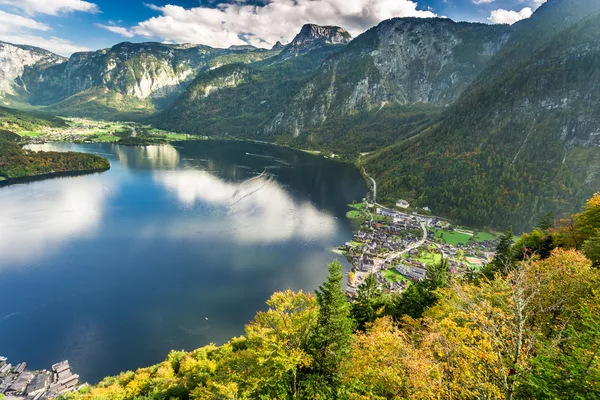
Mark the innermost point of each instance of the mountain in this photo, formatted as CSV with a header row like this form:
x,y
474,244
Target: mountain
x,y
14,59
409,69
236,99
129,80
514,146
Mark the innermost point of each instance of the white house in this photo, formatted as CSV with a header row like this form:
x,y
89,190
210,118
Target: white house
x,y
402,204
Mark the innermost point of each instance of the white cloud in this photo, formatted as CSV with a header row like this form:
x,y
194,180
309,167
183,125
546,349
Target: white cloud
x,y
17,29
263,26
11,22
52,7
501,16
537,3
483,1
117,29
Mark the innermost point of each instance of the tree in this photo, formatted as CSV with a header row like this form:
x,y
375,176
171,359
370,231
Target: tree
x,y
388,363
333,331
368,303
503,261
536,243
421,295
487,336
351,278
588,222
277,342
547,221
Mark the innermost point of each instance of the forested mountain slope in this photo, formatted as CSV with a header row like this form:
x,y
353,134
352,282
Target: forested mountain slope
x,y
17,120
312,99
518,146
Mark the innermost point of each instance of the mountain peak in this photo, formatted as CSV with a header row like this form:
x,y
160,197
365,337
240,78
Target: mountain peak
x,y
311,33
278,46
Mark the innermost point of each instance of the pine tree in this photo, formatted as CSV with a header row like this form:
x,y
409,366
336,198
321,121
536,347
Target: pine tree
x,y
421,295
368,302
503,260
333,333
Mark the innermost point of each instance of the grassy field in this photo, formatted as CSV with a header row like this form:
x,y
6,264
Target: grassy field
x,y
463,236
357,211
429,258
452,238
391,275
354,214
30,134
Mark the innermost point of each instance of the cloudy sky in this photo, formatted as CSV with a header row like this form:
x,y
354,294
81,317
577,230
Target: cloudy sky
x,y
67,26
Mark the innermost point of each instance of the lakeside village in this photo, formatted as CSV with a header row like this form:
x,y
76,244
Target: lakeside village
x,y
19,383
397,245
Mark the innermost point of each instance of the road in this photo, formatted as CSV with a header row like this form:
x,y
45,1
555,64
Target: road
x,y
374,186
416,245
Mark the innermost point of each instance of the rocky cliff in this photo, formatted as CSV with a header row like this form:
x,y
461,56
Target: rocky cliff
x,y
128,76
14,59
404,61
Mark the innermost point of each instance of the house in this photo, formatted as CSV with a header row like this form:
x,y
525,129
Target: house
x,y
402,204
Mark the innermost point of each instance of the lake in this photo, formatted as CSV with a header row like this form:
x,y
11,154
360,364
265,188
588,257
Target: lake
x,y
174,247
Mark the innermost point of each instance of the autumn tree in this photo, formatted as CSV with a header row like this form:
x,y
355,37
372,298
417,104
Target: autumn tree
x,y
489,334
387,363
588,222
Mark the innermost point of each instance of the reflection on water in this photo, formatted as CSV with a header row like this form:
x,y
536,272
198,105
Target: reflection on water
x,y
37,222
258,210
153,157
114,270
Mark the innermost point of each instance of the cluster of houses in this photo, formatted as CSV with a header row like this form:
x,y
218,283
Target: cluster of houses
x,y
16,382
400,236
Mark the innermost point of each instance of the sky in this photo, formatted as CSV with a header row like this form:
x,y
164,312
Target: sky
x,y
68,26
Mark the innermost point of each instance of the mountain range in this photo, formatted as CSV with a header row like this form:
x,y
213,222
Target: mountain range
x,y
485,124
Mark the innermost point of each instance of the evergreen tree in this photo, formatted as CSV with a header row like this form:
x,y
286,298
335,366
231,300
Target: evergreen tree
x,y
333,333
547,221
369,301
503,260
419,296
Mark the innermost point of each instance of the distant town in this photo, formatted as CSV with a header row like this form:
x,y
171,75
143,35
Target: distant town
x,y
17,382
397,244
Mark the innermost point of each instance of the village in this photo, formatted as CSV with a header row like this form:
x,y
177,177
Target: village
x,y
397,244
17,382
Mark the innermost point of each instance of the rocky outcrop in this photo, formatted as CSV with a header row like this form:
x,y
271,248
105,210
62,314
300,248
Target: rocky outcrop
x,y
14,59
311,33
404,61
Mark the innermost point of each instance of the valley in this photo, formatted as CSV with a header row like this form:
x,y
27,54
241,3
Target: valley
x,y
168,207
416,94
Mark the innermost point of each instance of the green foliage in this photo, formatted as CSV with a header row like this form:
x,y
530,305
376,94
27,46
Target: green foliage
x,y
503,260
15,162
421,295
333,332
370,302
16,120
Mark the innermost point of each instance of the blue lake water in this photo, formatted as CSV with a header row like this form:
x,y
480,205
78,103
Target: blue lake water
x,y
174,247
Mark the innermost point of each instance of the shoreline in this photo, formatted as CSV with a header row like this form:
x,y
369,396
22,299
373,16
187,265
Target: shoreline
x,y
49,175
